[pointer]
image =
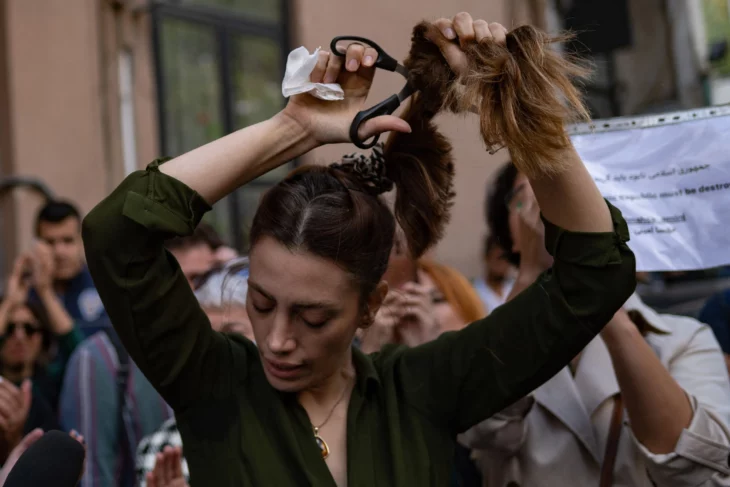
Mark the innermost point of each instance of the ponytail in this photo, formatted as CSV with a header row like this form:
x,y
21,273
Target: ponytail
x,y
420,164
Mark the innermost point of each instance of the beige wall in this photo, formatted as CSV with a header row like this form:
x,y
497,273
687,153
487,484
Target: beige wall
x,y
62,59
389,24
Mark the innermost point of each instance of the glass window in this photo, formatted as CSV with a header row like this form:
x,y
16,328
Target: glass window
x,y
218,71
263,9
249,198
257,74
192,91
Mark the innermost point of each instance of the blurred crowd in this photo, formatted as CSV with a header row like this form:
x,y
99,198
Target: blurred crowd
x,y
63,367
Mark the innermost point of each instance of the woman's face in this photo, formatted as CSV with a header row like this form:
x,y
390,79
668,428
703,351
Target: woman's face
x,y
304,310
23,338
520,197
446,316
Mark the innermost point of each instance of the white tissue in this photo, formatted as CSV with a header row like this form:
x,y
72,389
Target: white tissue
x,y
299,65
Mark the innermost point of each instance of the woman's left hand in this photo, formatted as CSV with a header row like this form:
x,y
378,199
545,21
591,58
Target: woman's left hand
x,y
418,324
329,122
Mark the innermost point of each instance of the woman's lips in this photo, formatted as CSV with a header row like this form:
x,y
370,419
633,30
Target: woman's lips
x,y
282,370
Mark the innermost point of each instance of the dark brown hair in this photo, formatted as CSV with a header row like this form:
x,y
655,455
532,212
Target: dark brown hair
x,y
523,91
331,213
204,234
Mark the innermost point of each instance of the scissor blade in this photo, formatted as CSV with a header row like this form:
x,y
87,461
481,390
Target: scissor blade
x,y
405,92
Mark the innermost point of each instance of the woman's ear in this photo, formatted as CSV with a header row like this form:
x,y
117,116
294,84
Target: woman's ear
x,y
374,302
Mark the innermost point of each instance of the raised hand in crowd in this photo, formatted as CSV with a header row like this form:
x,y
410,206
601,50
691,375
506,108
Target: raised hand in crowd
x,y
42,267
14,407
18,286
529,237
418,323
168,469
407,316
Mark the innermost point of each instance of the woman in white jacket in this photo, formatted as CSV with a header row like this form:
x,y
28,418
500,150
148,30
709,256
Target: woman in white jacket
x,y
647,403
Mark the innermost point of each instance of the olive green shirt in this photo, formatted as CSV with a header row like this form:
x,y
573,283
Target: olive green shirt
x,y
408,405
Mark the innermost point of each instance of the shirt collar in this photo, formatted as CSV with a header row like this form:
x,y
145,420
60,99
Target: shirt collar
x,y
365,370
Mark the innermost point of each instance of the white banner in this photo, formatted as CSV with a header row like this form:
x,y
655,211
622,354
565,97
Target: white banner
x,y
670,176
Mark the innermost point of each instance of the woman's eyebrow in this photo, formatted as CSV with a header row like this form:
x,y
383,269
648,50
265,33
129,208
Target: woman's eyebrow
x,y
303,305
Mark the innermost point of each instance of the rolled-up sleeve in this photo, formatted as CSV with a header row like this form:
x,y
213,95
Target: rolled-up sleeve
x,y
465,377
702,454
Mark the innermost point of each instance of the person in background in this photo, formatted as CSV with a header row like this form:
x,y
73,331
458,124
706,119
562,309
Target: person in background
x,y
223,298
222,252
499,273
195,254
30,333
425,299
646,403
58,225
716,314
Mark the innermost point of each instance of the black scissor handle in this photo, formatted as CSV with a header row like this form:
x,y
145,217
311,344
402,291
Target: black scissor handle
x,y
384,61
386,107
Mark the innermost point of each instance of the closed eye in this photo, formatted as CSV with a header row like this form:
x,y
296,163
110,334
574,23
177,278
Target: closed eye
x,y
262,310
319,324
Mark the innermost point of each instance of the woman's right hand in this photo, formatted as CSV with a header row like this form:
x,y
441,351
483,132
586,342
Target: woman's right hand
x,y
329,122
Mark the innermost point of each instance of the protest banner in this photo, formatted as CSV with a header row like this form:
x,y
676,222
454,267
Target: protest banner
x,y
670,176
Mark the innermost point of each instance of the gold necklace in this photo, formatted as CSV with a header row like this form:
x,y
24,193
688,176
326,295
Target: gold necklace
x,y
324,448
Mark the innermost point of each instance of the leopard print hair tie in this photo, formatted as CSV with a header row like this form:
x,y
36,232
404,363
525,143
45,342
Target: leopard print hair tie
x,y
369,171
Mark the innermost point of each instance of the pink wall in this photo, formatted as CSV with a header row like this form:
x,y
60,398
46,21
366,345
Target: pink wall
x,y
64,117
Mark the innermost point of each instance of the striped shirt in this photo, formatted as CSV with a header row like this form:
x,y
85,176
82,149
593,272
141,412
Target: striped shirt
x,y
89,404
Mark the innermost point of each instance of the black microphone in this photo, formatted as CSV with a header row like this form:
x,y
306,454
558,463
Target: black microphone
x,y
54,459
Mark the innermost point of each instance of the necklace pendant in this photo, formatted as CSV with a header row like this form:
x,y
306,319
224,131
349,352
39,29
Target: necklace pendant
x,y
321,444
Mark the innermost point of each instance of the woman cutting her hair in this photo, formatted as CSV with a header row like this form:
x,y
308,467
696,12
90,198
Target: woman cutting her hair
x,y
305,407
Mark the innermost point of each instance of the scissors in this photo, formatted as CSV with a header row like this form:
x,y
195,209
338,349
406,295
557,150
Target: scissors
x,y
385,107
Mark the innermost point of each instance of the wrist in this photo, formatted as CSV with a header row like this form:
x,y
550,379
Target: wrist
x,y
618,332
298,133
46,293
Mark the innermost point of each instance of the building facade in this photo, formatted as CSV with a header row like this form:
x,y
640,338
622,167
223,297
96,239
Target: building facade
x,y
91,90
